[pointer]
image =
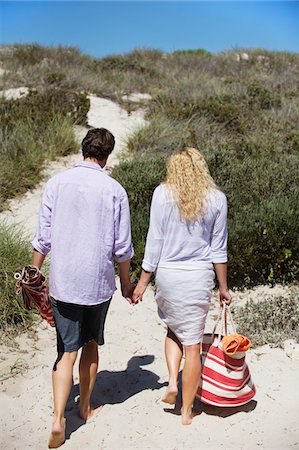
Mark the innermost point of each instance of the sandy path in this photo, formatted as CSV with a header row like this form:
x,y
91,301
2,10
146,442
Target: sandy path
x,y
133,371
130,384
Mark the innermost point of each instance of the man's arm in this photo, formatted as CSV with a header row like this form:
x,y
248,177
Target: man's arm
x,y
42,240
123,249
37,258
127,287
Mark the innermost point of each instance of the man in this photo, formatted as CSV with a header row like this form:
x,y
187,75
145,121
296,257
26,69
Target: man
x,y
84,221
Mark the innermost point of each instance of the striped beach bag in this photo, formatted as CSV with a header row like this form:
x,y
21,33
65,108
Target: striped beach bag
x,y
225,380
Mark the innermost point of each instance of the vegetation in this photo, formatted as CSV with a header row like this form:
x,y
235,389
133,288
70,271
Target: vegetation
x,y
140,179
242,114
14,254
270,321
35,129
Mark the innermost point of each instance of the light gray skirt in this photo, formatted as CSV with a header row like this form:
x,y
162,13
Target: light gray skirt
x,y
183,295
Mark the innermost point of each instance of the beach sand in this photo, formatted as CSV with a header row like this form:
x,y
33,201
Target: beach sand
x,y
130,384
132,374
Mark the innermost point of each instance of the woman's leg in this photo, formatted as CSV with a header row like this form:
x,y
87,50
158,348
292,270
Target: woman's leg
x,y
62,380
173,354
190,380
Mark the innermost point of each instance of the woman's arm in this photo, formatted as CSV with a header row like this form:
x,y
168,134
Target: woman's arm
x,y
219,249
221,273
141,286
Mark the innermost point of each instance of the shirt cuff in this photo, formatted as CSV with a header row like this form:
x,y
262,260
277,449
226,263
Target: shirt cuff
x,y
125,256
40,248
219,259
148,267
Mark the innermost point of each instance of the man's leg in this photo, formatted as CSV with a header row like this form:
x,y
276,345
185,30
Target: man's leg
x,y
62,380
173,354
88,368
92,335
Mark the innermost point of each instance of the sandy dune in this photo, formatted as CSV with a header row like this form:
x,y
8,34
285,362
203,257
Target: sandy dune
x,y
133,372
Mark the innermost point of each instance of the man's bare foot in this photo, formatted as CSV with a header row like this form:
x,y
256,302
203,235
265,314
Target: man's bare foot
x,y
57,436
170,395
90,412
187,416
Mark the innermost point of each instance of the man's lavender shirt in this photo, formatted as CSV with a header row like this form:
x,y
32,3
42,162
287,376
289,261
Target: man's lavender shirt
x,y
84,221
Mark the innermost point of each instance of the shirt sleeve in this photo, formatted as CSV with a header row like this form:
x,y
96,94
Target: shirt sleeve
x,y
42,239
219,233
155,235
123,248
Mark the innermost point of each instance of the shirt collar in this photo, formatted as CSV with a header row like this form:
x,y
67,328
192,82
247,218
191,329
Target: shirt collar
x,y
89,165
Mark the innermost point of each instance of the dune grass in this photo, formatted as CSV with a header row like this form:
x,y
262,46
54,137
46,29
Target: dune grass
x,y
271,321
14,254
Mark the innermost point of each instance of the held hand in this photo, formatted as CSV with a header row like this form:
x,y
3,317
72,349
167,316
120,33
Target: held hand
x,y
127,291
225,297
138,292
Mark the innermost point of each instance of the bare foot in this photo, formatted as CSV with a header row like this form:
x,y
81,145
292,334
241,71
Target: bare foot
x,y
170,395
57,436
187,417
90,412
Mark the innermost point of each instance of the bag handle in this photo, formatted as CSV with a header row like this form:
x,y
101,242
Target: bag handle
x,y
224,313
221,320
228,310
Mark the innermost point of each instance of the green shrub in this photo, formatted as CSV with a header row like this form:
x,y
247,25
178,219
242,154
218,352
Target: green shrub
x,y
54,78
262,97
263,213
270,321
263,243
14,255
161,137
26,146
224,110
43,106
29,54
22,55
140,178
196,51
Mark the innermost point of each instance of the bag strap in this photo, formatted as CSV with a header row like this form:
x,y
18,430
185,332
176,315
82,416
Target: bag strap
x,y
224,314
231,318
221,324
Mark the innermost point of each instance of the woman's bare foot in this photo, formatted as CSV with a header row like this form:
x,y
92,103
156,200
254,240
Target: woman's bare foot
x,y
170,395
187,416
89,412
57,436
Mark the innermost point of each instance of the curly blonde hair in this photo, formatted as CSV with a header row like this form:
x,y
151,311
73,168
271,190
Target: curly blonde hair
x,y
189,180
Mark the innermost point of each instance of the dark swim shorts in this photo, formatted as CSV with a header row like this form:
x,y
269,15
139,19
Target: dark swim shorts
x,y
78,324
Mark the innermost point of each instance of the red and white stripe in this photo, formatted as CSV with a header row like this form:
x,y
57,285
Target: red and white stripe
x,y
225,381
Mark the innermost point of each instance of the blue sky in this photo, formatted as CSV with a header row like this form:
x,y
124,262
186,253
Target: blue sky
x,y
102,28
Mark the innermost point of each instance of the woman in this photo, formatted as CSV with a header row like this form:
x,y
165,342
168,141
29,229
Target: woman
x,y
186,240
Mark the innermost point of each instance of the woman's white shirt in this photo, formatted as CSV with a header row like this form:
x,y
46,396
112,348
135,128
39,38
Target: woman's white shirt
x,y
171,239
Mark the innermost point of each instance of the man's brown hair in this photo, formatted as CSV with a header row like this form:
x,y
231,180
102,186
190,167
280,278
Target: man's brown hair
x,y
98,143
